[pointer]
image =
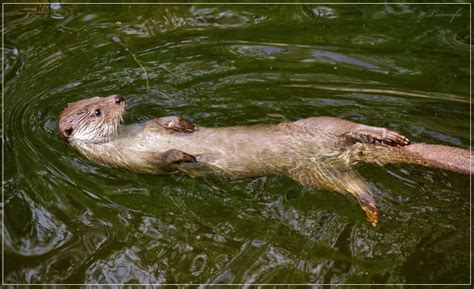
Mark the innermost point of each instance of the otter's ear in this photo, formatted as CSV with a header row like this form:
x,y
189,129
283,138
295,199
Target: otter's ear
x,y
65,133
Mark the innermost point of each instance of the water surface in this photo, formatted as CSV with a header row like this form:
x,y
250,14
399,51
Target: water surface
x,y
68,220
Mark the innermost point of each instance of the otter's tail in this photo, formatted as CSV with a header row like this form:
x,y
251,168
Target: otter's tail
x,y
430,155
443,157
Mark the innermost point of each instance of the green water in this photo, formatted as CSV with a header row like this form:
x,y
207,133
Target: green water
x,y
68,220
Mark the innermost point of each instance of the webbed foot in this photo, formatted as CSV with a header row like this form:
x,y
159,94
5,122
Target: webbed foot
x,y
371,212
340,180
377,135
352,131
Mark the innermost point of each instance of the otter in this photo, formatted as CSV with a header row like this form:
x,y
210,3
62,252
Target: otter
x,y
318,152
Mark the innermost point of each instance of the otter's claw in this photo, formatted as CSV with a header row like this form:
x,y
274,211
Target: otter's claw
x,y
393,138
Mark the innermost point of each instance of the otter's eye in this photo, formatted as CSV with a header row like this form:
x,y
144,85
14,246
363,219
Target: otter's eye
x,y
97,112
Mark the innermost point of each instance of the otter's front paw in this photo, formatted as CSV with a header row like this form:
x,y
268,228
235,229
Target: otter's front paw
x,y
173,157
176,123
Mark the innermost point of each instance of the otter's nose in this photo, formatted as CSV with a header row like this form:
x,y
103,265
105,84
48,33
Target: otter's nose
x,y
119,99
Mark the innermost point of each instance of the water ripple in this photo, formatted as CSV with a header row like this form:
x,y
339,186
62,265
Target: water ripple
x,y
68,220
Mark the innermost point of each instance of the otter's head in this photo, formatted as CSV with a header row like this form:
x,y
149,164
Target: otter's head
x,y
95,119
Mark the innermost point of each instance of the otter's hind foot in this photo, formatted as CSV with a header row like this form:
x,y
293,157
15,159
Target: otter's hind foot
x,y
338,180
376,135
371,212
353,132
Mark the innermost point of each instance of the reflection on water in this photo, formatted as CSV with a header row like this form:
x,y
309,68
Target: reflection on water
x,y
68,220
340,58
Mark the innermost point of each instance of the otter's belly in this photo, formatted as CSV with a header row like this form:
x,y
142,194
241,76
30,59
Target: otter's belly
x,y
240,151
244,151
